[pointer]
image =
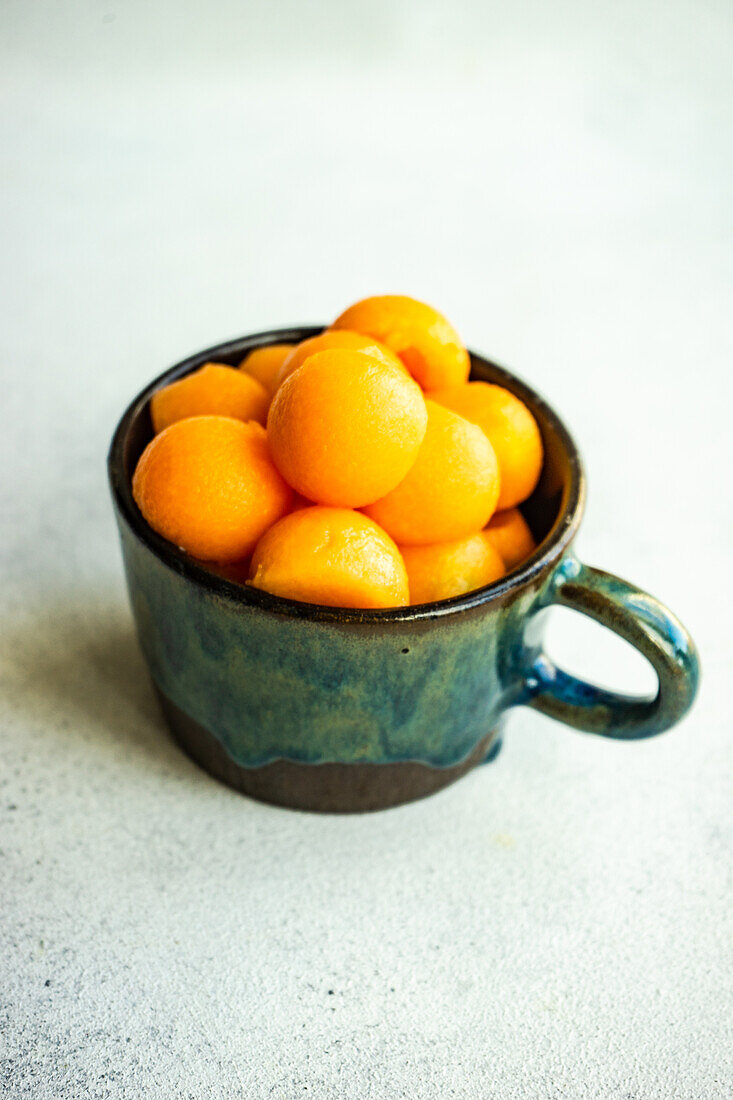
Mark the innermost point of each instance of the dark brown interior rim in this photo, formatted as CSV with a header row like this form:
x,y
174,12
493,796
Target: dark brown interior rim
x,y
547,553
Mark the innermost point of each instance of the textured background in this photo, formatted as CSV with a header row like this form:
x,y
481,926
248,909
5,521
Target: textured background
x,y
558,179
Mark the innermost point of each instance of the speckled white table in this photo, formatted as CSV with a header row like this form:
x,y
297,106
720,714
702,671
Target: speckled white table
x,y
559,923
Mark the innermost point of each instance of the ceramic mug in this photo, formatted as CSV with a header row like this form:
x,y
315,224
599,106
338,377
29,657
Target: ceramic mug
x,y
340,709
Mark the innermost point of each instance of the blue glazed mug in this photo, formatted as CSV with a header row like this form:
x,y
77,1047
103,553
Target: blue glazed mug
x,y
342,709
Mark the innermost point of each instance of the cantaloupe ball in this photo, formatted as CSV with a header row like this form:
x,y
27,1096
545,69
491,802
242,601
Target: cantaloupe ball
x,y
212,390
450,491
329,341
424,339
509,533
445,569
264,364
512,429
331,556
208,485
346,427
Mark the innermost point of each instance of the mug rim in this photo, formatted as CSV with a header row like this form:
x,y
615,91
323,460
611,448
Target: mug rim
x,y
548,552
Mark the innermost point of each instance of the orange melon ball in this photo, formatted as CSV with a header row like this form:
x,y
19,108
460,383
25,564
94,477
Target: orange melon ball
x,y
264,364
511,428
509,534
331,556
212,390
425,341
208,485
445,569
327,341
346,427
450,491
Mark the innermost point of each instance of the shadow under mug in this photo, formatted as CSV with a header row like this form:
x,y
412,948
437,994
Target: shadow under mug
x,y
340,709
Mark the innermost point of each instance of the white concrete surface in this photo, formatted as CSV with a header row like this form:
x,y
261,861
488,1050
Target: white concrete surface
x,y
558,179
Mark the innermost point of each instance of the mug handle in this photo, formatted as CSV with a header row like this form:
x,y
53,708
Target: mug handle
x,y
644,622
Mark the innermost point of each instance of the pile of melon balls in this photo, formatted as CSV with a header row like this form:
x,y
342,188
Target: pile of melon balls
x,y
359,468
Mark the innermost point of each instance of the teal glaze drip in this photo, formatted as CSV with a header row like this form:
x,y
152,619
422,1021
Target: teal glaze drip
x,y
272,687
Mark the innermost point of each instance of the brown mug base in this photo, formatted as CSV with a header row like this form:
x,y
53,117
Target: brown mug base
x,y
323,788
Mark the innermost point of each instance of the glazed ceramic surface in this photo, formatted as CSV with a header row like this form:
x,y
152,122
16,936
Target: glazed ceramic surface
x,y
270,679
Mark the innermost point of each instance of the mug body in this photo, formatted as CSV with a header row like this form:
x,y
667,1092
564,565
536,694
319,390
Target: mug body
x,y
400,708
329,708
